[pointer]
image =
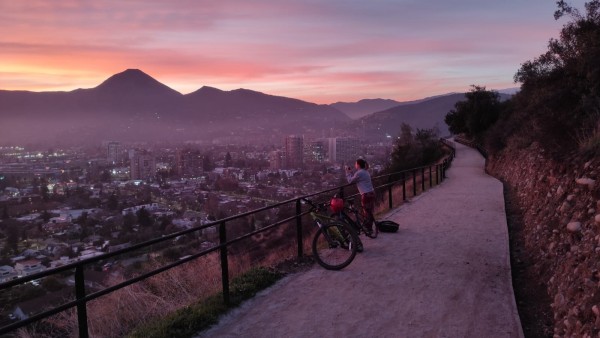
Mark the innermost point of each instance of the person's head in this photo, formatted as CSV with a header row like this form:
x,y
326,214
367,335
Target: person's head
x,y
360,163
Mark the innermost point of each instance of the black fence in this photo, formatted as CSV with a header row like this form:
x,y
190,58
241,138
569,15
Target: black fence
x,y
404,183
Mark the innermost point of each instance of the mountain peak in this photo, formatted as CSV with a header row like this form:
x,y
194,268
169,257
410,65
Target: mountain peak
x,y
134,80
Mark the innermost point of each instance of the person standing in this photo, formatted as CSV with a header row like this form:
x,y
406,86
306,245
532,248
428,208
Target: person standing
x,y
362,178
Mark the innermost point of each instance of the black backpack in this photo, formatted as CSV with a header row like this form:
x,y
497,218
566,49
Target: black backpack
x,y
387,226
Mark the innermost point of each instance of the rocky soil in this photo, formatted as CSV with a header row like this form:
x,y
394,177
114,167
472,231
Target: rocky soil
x,y
558,242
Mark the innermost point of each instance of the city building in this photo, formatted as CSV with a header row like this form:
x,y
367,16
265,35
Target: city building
x,y
294,152
114,153
343,150
7,273
143,166
277,160
28,267
188,163
316,151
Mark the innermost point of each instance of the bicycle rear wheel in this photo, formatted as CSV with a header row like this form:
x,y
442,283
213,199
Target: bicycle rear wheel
x,y
334,246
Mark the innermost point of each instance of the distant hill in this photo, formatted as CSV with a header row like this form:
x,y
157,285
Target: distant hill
x,y
133,106
364,107
356,110
422,114
509,91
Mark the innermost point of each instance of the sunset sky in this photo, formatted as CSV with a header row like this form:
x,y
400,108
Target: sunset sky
x,y
321,51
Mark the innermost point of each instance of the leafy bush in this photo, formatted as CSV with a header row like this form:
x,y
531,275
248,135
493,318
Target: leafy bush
x,y
475,115
411,151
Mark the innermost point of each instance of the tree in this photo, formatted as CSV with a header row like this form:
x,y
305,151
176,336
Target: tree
x,y
51,283
12,238
144,217
227,160
406,134
5,212
44,190
414,151
476,114
105,176
129,221
46,216
113,202
560,91
207,164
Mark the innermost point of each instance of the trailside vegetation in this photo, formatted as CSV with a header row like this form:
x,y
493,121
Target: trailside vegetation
x,y
558,105
475,115
412,150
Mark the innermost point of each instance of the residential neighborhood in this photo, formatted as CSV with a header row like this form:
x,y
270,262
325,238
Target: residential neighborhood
x,y
65,205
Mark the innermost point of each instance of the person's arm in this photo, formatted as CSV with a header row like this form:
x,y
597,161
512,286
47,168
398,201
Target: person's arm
x,y
351,177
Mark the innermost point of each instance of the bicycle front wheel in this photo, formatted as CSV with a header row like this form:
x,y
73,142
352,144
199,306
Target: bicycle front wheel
x,y
334,246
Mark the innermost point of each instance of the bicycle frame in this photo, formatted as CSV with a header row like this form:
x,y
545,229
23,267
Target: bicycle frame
x,y
357,221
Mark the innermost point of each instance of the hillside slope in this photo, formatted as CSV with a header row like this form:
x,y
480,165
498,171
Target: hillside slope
x,y
560,203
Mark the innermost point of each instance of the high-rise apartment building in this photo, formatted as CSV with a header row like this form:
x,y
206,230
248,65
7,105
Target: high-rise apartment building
x,y
277,159
316,151
114,153
294,152
188,162
343,150
143,166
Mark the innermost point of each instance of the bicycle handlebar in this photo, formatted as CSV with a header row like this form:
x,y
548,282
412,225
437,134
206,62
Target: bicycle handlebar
x,y
313,206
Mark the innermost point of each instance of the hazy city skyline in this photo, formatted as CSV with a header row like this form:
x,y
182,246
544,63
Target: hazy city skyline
x,y
320,52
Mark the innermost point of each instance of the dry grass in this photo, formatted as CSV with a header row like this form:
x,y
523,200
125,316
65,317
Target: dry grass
x,y
589,142
148,302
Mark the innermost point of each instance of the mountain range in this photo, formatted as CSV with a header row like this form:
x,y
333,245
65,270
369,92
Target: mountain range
x,y
133,106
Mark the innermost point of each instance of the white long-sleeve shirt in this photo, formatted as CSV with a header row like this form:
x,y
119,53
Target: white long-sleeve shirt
x,y
362,178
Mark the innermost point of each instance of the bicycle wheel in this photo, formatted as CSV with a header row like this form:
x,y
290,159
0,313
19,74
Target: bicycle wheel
x,y
334,246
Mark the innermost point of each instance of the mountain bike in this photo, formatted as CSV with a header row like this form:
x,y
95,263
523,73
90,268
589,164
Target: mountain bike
x,y
335,244
352,216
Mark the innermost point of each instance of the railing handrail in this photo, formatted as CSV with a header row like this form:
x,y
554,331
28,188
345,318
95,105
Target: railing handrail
x,y
472,144
79,265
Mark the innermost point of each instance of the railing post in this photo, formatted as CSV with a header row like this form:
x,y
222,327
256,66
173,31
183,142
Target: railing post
x,y
414,175
404,186
81,305
444,169
422,179
224,263
390,204
299,227
430,178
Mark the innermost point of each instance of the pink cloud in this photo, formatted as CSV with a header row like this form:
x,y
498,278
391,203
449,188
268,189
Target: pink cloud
x,y
306,49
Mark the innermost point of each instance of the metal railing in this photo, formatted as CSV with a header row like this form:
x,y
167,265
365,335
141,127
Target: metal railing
x,y
472,144
384,185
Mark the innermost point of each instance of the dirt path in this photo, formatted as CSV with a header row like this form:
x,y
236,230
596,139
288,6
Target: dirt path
x,y
446,273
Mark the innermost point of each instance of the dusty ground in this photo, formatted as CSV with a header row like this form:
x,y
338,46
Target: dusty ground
x,y
446,273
